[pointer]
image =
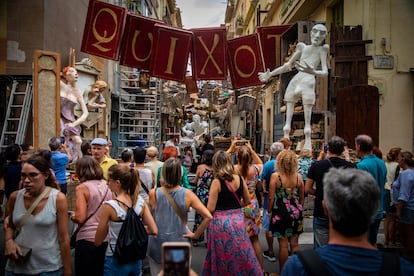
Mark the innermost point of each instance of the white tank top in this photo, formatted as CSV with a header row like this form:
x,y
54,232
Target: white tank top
x,y
39,232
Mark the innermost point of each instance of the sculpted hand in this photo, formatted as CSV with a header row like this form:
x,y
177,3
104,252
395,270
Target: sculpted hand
x,y
264,76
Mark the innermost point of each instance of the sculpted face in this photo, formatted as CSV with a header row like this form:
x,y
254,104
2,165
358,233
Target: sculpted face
x,y
71,74
196,118
318,34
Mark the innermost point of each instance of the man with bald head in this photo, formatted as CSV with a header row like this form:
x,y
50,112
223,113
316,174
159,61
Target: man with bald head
x,y
376,167
153,164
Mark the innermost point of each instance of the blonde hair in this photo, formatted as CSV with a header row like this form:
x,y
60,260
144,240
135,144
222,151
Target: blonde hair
x,y
287,162
305,153
222,166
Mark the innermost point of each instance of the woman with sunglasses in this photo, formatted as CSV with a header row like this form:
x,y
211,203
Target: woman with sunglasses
x,y
44,231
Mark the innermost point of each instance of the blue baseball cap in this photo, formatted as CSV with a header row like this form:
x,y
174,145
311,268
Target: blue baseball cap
x,y
99,141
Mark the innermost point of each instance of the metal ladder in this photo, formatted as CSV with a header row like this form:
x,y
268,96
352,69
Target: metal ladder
x,y
17,115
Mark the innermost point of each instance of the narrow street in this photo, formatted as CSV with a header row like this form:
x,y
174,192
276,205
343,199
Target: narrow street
x,y
305,242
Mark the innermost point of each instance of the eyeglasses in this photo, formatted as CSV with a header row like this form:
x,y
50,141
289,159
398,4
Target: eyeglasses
x,y
31,176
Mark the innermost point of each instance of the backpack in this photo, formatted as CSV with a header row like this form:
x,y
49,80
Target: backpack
x,y
132,241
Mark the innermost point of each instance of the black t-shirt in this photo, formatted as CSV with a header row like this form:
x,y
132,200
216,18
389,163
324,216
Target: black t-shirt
x,y
317,171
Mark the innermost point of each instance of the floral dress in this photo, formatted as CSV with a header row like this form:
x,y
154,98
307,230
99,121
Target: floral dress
x,y
251,212
202,190
287,213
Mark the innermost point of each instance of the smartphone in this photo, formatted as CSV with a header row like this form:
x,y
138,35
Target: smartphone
x,y
26,252
176,258
241,143
62,140
325,147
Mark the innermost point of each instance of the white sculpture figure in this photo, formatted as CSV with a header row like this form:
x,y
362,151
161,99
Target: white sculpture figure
x,y
70,96
193,131
95,97
312,62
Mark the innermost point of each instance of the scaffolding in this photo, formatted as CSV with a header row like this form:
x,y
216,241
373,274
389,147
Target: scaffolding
x,y
139,110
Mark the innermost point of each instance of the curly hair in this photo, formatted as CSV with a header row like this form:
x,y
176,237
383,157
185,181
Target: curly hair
x,y
287,162
169,151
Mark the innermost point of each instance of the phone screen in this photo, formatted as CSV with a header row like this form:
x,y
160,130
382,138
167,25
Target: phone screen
x,y
176,260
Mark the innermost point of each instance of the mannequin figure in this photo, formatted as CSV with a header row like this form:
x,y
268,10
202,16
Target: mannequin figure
x,y
70,96
95,97
302,85
193,131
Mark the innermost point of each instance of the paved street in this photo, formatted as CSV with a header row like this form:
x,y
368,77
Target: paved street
x,y
305,242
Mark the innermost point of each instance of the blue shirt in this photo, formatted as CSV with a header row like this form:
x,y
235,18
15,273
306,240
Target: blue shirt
x,y
403,188
346,260
268,169
376,167
59,162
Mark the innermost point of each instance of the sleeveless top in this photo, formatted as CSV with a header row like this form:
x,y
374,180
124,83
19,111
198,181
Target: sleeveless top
x,y
226,199
98,189
145,175
39,232
170,226
115,226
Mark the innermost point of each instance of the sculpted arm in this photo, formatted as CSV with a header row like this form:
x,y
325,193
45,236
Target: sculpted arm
x,y
265,76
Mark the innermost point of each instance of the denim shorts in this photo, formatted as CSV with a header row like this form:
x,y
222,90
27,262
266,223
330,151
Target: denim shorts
x,y
112,267
407,216
58,272
265,220
388,208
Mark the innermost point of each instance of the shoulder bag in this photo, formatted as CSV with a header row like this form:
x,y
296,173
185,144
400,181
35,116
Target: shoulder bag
x,y
174,205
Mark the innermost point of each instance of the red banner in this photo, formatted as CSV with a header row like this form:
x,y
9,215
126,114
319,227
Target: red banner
x,y
209,58
103,29
170,53
148,44
270,42
137,41
245,61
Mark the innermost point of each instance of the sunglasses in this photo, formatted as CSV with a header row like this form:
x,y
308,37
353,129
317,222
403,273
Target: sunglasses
x,y
31,175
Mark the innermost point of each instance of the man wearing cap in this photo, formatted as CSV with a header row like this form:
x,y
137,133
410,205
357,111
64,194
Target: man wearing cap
x,y
98,152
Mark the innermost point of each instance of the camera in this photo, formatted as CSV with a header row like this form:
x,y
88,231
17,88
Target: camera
x,y
176,258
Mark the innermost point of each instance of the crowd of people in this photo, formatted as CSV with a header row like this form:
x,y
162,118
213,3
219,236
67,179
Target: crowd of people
x,y
235,196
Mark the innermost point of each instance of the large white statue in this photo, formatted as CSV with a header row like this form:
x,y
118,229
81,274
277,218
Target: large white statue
x,y
311,61
193,131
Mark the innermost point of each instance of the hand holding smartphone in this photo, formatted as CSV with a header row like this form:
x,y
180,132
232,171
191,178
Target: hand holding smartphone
x,y
176,258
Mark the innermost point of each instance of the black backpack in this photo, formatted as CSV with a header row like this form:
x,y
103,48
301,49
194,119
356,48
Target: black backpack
x,y
132,241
